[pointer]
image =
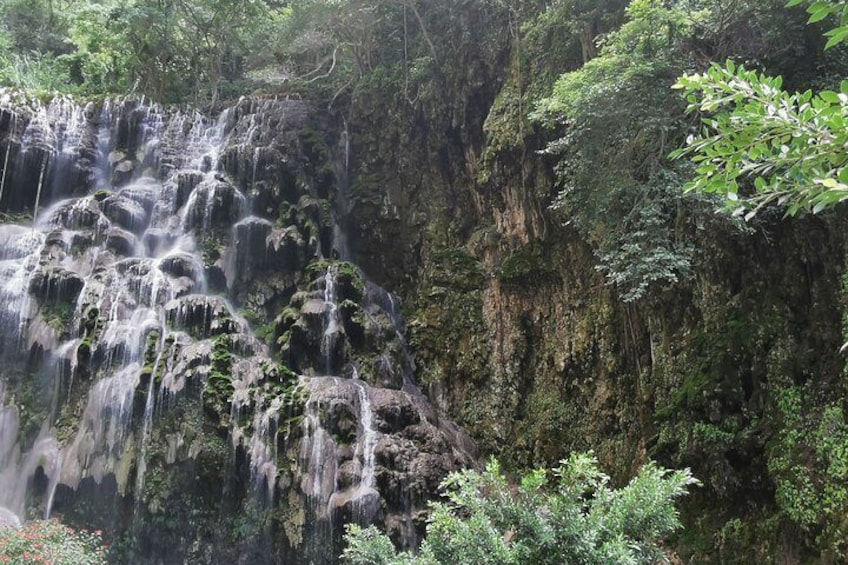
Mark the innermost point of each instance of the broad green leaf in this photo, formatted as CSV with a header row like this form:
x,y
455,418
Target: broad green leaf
x,y
829,96
818,15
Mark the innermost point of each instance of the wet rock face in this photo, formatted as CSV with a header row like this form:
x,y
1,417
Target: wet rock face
x,y
56,285
189,336
375,454
339,323
201,315
51,150
125,213
213,203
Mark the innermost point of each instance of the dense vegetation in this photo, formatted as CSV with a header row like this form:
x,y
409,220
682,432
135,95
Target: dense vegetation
x,y
567,515
572,105
48,541
791,147
170,50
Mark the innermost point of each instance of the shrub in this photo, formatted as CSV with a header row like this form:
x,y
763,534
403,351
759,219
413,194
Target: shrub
x,y
50,543
567,515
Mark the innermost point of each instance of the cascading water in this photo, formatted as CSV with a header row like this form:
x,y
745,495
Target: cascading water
x,y
5,168
149,406
150,223
331,321
367,443
44,453
119,291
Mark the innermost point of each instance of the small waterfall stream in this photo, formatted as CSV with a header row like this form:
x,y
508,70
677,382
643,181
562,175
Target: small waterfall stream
x,y
5,168
331,321
149,407
367,442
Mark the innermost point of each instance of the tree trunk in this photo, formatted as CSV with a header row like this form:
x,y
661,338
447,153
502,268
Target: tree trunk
x,y
587,42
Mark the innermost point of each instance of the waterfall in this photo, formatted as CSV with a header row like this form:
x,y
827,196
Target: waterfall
x,y
319,450
38,192
5,168
122,293
369,436
379,300
342,205
149,405
140,270
158,238
17,468
331,319
367,442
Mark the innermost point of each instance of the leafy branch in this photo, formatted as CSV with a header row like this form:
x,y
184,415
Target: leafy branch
x,y
822,9
762,145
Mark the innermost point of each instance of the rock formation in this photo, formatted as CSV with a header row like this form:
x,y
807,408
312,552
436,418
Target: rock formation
x,y
190,363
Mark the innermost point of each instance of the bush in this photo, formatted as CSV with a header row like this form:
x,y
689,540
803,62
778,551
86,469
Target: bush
x,y
568,515
50,543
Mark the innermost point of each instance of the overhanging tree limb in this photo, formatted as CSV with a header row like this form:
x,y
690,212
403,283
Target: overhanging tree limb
x,y
761,145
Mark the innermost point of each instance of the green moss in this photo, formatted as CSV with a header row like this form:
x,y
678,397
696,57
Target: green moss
x,y
456,268
529,264
222,355
102,195
808,460
151,353
211,245
288,317
349,275
58,314
218,388
350,284
265,332
446,332
253,317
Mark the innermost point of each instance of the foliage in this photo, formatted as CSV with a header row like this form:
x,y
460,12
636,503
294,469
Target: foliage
x,y
615,185
581,19
761,145
649,253
567,515
616,120
170,49
201,50
49,542
822,9
809,464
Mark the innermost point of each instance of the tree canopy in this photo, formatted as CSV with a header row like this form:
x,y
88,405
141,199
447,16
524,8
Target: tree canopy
x,y
172,50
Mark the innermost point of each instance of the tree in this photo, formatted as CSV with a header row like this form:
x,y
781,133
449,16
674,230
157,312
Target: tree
x,y
761,145
584,19
172,50
619,118
568,515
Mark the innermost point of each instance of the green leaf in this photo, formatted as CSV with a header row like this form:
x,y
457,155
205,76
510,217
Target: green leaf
x,y
837,36
818,15
829,96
